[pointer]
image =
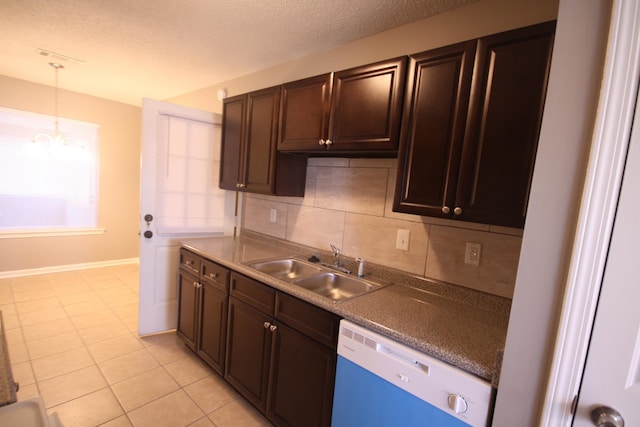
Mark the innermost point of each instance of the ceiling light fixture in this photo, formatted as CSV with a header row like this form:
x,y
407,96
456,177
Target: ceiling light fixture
x,y
57,137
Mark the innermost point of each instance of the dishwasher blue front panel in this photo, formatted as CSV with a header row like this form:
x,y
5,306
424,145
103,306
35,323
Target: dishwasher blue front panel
x,y
363,399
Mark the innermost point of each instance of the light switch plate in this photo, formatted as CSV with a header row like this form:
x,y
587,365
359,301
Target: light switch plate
x,y
402,240
472,253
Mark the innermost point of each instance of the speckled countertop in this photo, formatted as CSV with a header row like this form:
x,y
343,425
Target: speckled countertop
x,y
463,327
8,387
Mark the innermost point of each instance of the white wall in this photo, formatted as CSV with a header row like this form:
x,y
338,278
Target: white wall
x,y
569,116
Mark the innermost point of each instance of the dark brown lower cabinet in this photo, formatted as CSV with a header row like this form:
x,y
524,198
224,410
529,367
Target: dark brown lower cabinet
x,y
302,379
202,308
277,367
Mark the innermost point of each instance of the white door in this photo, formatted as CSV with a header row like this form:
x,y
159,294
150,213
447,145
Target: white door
x,y
612,372
179,198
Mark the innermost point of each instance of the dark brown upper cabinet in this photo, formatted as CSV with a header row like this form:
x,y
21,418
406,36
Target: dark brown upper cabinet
x,y
351,111
471,125
249,158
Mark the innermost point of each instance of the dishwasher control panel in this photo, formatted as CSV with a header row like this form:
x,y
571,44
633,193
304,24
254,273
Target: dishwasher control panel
x,y
453,391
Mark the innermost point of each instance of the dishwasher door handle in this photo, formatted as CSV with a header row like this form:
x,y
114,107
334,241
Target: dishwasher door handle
x,y
403,358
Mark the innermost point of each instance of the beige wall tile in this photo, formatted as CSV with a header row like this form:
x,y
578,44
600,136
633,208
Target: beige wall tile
x,y
359,190
257,217
315,227
374,239
496,273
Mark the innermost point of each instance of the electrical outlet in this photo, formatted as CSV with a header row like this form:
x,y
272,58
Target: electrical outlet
x,y
273,217
402,240
472,253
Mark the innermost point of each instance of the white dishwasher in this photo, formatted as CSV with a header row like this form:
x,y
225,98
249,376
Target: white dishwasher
x,y
382,383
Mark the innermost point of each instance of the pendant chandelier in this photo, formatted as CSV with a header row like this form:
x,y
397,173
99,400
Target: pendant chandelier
x,y
57,137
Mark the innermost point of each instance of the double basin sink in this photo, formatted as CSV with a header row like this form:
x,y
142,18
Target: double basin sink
x,y
319,279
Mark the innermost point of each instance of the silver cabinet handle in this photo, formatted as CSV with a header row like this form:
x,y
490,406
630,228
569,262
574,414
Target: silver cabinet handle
x,y
322,142
272,328
266,325
213,275
457,211
445,209
329,142
195,284
603,416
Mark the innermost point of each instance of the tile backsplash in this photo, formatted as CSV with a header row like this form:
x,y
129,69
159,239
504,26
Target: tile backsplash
x,y
348,203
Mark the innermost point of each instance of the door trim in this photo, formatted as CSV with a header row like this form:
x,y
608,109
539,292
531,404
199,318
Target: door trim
x,y
597,211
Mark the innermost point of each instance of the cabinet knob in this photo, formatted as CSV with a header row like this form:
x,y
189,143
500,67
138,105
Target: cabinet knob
x,y
266,325
321,142
328,142
213,275
272,328
195,284
445,209
457,211
240,185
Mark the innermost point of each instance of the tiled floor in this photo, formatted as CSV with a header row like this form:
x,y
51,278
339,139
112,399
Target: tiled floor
x,y
72,340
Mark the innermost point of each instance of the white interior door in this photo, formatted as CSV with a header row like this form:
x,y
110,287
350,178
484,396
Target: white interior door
x,y
612,372
180,199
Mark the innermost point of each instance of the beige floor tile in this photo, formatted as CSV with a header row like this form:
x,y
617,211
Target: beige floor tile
x,y
211,393
23,373
48,329
131,323
28,391
144,388
113,301
18,353
61,363
55,344
89,410
106,283
187,370
14,336
64,288
37,305
202,422
169,352
96,318
8,308
42,316
238,413
10,321
97,274
127,365
173,410
114,347
122,421
78,297
126,310
32,295
85,307
64,388
104,331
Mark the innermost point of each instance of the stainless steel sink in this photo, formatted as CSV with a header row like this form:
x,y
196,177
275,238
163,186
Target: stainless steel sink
x,y
286,268
336,286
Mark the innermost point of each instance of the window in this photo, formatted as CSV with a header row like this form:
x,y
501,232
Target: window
x,y
46,184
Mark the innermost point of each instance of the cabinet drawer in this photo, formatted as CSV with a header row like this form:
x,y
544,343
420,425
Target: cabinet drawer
x,y
215,274
190,261
312,321
252,292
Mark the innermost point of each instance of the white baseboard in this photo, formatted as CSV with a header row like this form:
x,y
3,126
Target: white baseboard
x,y
69,267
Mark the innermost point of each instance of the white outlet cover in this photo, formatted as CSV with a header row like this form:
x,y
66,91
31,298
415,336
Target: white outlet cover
x,y
273,216
472,253
402,239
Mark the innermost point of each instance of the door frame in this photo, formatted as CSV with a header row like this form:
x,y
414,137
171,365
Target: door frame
x,y
597,212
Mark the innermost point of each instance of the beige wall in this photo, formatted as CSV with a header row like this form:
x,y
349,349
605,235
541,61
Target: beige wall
x,y
119,140
347,202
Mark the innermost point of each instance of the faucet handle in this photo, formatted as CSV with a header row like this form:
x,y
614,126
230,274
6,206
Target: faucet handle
x,y
335,249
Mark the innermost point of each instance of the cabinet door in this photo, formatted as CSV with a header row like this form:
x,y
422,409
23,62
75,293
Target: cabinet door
x,y
366,107
233,136
213,326
262,132
302,379
304,114
248,350
187,307
435,112
501,139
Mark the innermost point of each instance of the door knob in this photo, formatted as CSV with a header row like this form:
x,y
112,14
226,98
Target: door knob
x,y
603,416
148,234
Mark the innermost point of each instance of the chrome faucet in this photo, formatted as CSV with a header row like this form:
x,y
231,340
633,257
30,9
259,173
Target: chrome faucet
x,y
336,260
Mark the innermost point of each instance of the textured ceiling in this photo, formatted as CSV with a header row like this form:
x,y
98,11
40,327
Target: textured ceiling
x,y
163,48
